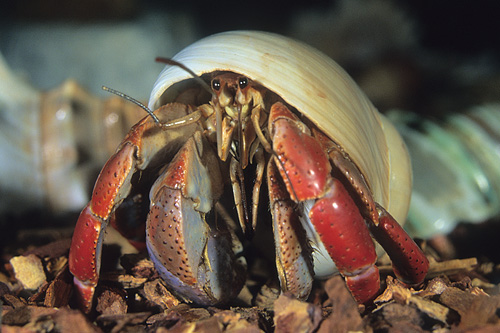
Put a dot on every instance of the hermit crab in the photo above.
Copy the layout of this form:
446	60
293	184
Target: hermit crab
239	112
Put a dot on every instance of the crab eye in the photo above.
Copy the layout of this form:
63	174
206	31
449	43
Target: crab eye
216	84
243	82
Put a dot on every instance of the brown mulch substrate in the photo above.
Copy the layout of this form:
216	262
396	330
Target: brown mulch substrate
36	293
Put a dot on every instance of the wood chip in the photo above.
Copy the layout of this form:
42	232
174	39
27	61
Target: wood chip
112	301
14	301
156	292
267	296
345	314
17	316
4	289
134	299
59	291
450	267
398	292
474	310
68	320
434	287
292	315
128	281
207	325
26	315
54	265
119	322
139	265
395	290
432	309
28	271
56	249
397	317
236	322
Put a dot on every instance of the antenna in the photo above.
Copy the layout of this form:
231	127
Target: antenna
133	100
172	62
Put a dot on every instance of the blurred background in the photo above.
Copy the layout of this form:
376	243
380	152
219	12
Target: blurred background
114	42
431	58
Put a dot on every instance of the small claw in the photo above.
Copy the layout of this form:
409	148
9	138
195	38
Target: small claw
191	254
409	262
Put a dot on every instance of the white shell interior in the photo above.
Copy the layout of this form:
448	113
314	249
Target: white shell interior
316	86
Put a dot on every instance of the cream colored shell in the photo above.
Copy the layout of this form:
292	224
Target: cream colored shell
317	87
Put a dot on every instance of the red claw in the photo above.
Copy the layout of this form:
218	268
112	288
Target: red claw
343	231
305	163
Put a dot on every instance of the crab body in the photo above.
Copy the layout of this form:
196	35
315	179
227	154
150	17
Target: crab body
334	169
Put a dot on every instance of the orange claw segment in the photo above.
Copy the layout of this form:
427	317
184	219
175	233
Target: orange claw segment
306	164
110	181
83	257
409	262
112	187
84	295
279	110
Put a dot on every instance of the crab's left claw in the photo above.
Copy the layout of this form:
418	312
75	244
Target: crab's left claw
192	253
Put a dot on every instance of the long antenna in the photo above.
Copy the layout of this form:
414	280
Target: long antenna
133	100
218	111
171	62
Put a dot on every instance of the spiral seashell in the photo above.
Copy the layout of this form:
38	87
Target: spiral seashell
317	88
54	143
456	168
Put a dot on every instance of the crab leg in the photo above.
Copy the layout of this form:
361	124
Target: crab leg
293	251
240	199
259	174
307	173
408	262
342	229
192	254
112	187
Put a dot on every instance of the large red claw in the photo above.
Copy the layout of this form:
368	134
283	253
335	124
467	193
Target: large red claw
307	173
303	164
343	231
